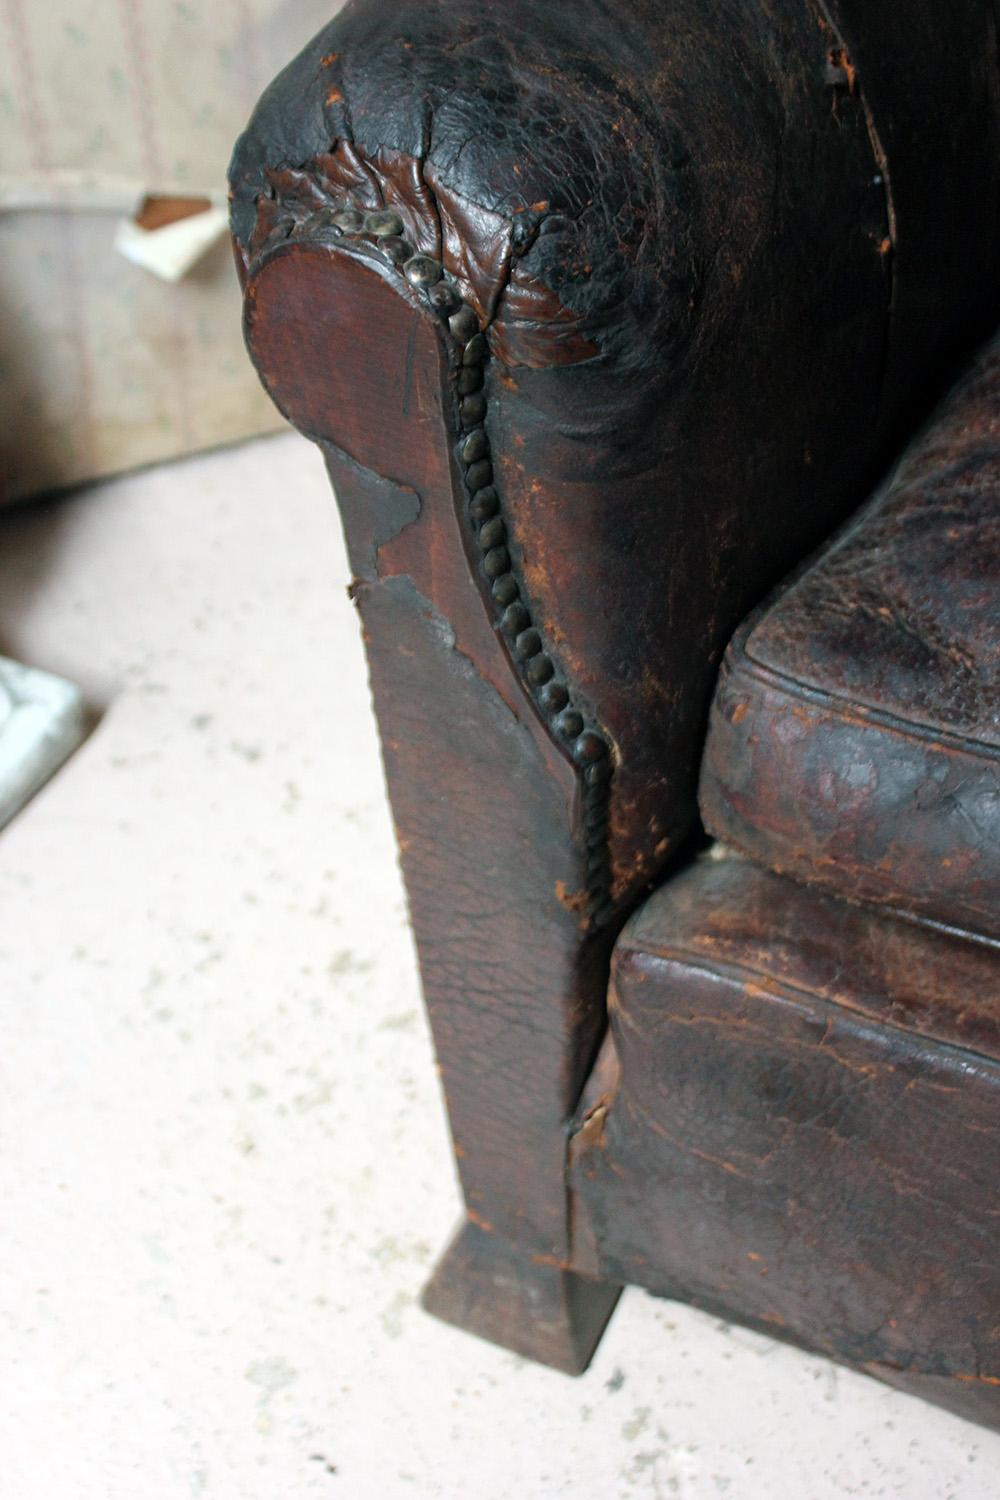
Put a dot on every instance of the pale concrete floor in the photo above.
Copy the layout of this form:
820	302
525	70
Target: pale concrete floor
225	1171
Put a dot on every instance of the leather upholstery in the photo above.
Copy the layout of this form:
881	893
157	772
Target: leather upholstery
712	255
855	734
718	254
800	1121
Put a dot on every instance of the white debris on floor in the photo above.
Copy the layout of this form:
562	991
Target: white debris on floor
224	1167
42	721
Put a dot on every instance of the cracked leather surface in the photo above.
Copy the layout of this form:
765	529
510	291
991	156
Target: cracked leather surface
802	1129
608	148
855	737
708	258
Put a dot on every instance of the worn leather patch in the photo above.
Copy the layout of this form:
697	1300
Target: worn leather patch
855	735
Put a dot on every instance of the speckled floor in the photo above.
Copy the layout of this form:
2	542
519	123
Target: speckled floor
223	1161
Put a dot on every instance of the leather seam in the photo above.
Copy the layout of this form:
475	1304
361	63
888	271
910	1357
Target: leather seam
864	713
735	972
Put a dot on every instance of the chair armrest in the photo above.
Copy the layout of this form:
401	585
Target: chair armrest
596	327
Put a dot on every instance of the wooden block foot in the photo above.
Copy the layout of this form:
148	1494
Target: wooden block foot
485	1286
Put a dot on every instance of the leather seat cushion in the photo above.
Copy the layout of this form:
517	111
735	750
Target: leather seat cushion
796	1123
855	731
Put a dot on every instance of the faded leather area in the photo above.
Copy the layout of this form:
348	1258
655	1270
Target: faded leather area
804	1131
855	734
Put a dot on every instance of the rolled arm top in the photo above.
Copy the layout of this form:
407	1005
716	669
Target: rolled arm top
700	250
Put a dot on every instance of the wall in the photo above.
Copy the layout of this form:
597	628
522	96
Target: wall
103	366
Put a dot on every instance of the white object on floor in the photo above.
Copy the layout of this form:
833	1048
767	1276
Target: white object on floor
173	249
224	1168
42	722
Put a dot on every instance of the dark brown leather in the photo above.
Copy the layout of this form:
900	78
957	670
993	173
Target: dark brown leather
855	735
718	249
801	1127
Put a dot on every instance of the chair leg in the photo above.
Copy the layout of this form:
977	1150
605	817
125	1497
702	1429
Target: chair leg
543	1312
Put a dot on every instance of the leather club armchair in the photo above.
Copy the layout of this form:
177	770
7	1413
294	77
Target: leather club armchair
605	317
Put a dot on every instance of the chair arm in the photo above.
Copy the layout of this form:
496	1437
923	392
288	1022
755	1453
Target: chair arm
596	325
